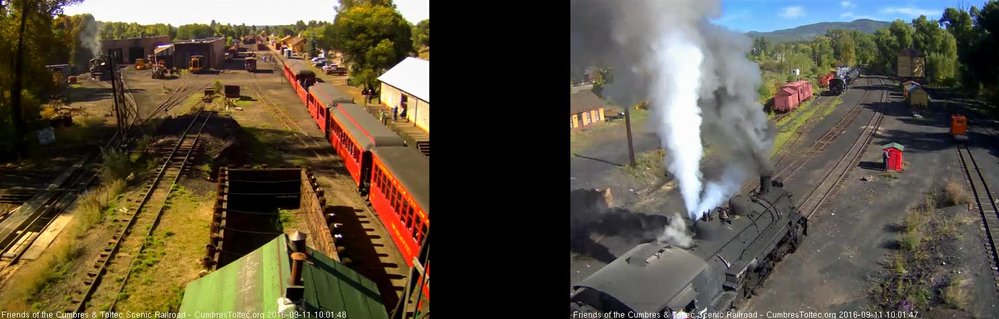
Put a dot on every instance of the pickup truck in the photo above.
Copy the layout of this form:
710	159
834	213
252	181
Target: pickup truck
334	69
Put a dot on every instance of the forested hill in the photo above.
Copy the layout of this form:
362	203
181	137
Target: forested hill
807	32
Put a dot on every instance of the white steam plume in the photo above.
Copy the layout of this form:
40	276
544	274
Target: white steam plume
676	233
678	116
702	88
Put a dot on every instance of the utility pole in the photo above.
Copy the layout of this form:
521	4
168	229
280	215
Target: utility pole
627	125
15	95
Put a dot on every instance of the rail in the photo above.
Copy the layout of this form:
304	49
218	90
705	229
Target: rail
104	261
842	168
983	199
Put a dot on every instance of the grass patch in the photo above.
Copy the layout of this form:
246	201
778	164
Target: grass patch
648	163
954	193
791	125
259	145
957	294
83	131
286	218
172	256
117	165
912	275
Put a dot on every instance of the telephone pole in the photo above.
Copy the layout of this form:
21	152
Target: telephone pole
627	125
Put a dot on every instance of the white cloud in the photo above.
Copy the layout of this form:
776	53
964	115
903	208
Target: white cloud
846	4
912	12
850	16
792	12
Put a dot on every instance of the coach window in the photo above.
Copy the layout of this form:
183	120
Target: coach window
406	212
391	198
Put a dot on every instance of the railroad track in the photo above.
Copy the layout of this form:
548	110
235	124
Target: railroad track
795	164
983	199
134	226
294	128
835	175
327	154
50	207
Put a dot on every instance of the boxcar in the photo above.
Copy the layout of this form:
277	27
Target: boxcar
786	99
353	132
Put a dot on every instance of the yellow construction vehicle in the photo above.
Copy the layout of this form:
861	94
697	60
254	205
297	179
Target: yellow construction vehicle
197	64
140	64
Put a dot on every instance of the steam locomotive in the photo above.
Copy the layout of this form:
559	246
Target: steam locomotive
843	79
729	260
100	68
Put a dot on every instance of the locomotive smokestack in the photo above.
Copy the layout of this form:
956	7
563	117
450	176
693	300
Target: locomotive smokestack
765	182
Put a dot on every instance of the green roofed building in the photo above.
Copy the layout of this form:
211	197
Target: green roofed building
260	282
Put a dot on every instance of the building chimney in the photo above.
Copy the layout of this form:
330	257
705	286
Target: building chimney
297	261
298	241
295	290
764	184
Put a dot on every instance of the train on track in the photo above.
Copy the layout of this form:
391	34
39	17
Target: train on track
392	177
729	259
845	76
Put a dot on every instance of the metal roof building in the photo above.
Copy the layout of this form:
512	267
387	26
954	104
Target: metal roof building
406	86
260	283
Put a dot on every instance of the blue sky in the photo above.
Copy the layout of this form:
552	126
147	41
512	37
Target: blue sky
770	15
251	12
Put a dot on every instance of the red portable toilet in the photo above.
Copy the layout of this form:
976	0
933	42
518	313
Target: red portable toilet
894	156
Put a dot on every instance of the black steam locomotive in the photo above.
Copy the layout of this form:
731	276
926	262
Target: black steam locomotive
100	68
843	79
730	258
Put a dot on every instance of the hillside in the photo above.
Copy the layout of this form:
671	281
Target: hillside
807	32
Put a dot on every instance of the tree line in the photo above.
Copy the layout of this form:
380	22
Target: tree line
959	47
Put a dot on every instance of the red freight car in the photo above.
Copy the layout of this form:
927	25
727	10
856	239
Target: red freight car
786	99
824	79
804	89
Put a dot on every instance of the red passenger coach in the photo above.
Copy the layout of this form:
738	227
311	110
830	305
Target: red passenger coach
300	77
321	97
353	132
400	193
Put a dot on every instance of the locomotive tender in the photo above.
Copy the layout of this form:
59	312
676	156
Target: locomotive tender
729	259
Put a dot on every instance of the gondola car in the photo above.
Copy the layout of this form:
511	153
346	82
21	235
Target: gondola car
353	132
321	97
